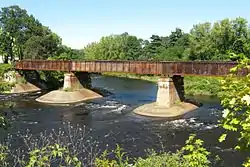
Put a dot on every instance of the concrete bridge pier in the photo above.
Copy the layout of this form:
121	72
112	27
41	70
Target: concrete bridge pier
170	101
170	90
75	89
76	81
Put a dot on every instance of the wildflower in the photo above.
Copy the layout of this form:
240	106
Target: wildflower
246	99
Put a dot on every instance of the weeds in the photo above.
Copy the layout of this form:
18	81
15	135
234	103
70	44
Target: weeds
72	146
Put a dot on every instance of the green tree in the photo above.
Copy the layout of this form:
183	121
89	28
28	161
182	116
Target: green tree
173	53
114	47
175	36
17	27
241	33
146	51
209	42
23	36
92	51
230	35
201	45
155	46
173	46
41	47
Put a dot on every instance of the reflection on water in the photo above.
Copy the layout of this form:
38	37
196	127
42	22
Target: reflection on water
113	121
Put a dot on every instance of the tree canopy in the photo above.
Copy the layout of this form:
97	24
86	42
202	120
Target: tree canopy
205	41
23	36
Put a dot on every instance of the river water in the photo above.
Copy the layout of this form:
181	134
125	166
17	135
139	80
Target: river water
113	122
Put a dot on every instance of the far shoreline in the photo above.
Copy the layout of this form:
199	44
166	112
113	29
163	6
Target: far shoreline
194	85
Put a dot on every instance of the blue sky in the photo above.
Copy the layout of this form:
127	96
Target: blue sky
80	22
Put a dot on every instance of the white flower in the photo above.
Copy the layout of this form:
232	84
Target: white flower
225	113
246	99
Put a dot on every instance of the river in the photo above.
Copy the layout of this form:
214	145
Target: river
112	120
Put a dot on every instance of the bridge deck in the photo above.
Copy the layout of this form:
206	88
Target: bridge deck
204	68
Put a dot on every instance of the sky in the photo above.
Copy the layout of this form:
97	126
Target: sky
79	22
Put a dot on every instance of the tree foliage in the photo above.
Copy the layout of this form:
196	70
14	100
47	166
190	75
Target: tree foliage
22	36
17	27
206	41
114	47
235	98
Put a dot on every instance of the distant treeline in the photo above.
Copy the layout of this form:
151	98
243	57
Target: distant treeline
23	36
205	41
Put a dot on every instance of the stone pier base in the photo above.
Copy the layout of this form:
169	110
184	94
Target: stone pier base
170	101
75	89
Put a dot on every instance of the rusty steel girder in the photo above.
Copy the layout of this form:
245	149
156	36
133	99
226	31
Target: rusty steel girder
202	68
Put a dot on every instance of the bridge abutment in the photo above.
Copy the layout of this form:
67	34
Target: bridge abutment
170	91
20	83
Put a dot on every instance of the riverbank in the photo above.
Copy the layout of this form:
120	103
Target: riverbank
194	85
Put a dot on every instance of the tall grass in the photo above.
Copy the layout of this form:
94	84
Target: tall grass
202	85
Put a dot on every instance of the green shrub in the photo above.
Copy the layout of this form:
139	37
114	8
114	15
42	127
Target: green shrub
193	154
3	155
5	68
195	85
160	160
5	86
3	121
121	160
44	157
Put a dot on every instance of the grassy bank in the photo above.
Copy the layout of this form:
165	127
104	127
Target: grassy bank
194	85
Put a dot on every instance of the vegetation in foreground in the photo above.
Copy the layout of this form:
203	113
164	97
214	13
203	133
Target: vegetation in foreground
235	99
5	86
73	146
193	154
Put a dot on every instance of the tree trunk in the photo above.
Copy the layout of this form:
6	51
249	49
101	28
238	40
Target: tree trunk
20	55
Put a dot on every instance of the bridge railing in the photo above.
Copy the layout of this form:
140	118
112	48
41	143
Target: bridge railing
206	68
46	65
